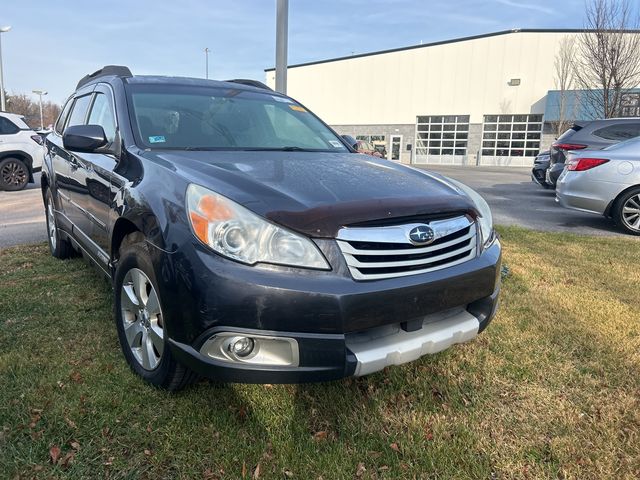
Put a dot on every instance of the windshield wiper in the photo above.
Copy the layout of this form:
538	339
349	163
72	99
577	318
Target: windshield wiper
281	149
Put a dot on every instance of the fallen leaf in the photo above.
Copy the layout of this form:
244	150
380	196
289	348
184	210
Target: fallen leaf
244	469
109	461
71	423
256	472
394	446
75	445
54	454
360	470
287	473
147	452
76	377
67	459
35	418
321	435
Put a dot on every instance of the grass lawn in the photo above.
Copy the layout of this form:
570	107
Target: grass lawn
550	390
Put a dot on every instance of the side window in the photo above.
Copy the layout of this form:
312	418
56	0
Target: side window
102	114
623	131
7	127
79	111
63	117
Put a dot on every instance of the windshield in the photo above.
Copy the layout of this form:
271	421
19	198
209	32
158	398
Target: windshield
211	118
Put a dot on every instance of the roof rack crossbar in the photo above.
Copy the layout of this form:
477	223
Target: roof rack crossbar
107	70
251	83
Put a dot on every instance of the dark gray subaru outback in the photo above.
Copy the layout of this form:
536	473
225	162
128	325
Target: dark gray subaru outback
247	242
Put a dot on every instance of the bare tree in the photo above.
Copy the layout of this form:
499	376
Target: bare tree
29	108
564	82
607	64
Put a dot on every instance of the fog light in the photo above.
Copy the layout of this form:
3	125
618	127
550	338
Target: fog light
257	349
241	346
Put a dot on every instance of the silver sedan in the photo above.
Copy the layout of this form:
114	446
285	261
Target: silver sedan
606	182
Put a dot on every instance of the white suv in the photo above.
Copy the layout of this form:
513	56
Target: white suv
21	152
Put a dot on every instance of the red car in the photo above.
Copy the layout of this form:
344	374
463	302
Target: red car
367	148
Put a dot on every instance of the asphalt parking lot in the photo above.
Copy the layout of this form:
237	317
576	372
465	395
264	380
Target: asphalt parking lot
513	197
22	216
515	200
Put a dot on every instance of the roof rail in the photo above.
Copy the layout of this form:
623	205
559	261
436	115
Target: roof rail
251	83
114	70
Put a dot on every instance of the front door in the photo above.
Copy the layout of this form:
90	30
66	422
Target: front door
69	169
97	202
396	147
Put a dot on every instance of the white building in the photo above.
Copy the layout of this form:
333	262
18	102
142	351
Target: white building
474	100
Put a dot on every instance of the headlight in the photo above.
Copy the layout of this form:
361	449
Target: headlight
485	220
239	234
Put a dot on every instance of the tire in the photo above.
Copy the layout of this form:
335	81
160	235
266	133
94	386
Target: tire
139	319
59	246
626	212
14	174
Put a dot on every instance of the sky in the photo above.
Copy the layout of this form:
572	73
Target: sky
53	44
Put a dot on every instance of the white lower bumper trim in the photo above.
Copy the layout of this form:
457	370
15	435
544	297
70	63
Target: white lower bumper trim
391	345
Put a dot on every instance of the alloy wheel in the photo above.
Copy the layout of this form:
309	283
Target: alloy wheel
14	174
142	318
631	213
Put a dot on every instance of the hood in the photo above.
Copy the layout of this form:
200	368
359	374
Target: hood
317	193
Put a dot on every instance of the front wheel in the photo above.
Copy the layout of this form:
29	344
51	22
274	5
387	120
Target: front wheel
59	246
14	174
627	211
140	321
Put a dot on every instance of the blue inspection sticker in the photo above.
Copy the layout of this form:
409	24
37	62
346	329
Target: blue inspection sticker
157	139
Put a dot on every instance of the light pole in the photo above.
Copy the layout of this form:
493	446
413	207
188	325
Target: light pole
206	62
282	30
3	105
40	93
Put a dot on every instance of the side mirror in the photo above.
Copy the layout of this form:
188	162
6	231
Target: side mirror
84	138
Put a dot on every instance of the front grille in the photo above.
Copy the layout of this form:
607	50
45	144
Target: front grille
386	252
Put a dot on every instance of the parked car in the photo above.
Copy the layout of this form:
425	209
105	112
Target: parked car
606	182
21	152
380	148
362	146
539	170
246	242
594	135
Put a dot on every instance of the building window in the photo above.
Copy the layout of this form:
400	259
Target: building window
511	135
371	138
630	105
442	135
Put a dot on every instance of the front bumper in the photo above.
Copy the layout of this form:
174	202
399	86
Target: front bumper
553	172
341	327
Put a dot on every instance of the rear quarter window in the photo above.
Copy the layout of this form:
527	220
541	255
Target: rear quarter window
7	127
619	132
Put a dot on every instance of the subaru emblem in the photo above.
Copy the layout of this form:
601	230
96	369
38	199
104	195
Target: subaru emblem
422	235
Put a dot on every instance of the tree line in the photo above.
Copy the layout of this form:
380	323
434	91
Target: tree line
29	107
602	63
